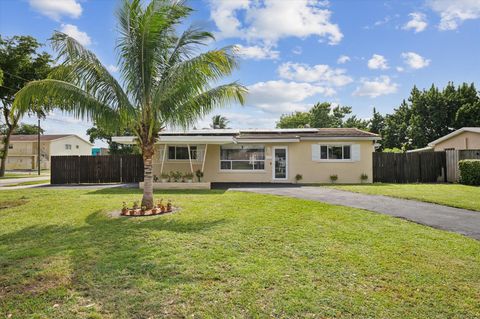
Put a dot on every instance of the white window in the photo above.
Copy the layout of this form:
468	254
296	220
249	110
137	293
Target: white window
336	152
242	157
180	152
77	147
68	146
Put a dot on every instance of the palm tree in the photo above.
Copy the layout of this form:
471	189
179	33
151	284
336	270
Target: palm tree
219	121
165	82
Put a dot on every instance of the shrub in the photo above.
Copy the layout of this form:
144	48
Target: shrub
199	175
333	178
363	177
298	177
469	172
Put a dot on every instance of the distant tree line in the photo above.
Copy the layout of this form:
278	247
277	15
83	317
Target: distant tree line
424	117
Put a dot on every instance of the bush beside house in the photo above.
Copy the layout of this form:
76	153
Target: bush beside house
469	172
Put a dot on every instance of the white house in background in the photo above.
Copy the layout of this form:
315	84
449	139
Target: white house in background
23	149
466	138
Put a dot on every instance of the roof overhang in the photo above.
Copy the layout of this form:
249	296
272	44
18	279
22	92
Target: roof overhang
340	138
272	140
175	139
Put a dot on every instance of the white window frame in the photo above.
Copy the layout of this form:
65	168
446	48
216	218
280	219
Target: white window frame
239	146
333	160
68	147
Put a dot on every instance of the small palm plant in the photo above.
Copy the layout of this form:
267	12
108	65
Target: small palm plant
164	81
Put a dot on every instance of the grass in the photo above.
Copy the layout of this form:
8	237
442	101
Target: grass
27	183
25	175
455	195
226	254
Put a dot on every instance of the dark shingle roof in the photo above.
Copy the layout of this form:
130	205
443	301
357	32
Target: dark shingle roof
320	133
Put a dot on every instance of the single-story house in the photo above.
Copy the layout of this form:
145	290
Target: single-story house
266	155
23	149
466	138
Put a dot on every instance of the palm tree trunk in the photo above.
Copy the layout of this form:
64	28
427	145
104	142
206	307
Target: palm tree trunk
6	143
147	199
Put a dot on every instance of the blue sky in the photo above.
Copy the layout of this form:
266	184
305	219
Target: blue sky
363	54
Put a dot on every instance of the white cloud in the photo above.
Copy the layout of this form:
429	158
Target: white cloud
281	96
55	9
377	62
74	32
400	69
112	68
417	22
453	13
301	18
414	60
343	59
320	74
257	52
378	86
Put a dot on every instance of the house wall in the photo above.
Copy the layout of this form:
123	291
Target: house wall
462	141
57	147
299	162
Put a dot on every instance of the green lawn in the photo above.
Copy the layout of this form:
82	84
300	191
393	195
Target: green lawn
454	195
223	255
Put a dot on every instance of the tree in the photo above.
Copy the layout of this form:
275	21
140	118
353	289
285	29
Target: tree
294	120
322	115
165	82
27	129
104	134
20	63
377	122
219	121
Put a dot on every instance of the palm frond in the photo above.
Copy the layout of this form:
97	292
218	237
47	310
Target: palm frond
51	94
184	114
82	68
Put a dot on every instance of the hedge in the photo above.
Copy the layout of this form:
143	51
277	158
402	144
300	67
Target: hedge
469	172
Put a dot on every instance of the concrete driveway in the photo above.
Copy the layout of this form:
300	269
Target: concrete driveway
457	220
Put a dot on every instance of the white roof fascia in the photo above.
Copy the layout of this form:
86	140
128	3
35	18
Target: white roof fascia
423	149
273	140
198	139
123	139
454	133
341	138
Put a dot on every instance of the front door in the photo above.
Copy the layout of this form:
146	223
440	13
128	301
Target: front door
280	163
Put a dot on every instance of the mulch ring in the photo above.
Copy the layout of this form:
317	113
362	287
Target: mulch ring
139	213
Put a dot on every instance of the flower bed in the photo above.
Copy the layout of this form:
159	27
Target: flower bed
159	209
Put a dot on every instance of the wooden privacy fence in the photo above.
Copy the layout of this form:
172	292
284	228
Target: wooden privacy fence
96	169
453	157
427	167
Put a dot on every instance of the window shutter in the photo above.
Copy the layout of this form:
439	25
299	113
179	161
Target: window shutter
315	152
356	152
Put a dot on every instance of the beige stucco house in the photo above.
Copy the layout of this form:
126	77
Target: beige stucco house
266	155
23	149
466	138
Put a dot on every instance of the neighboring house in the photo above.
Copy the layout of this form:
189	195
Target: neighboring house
262	155
466	138
23	149
98	151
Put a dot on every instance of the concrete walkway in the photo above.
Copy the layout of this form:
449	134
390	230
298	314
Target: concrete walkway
457	220
10	181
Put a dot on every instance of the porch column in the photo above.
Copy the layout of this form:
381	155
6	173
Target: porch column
204	157
190	158
163	158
